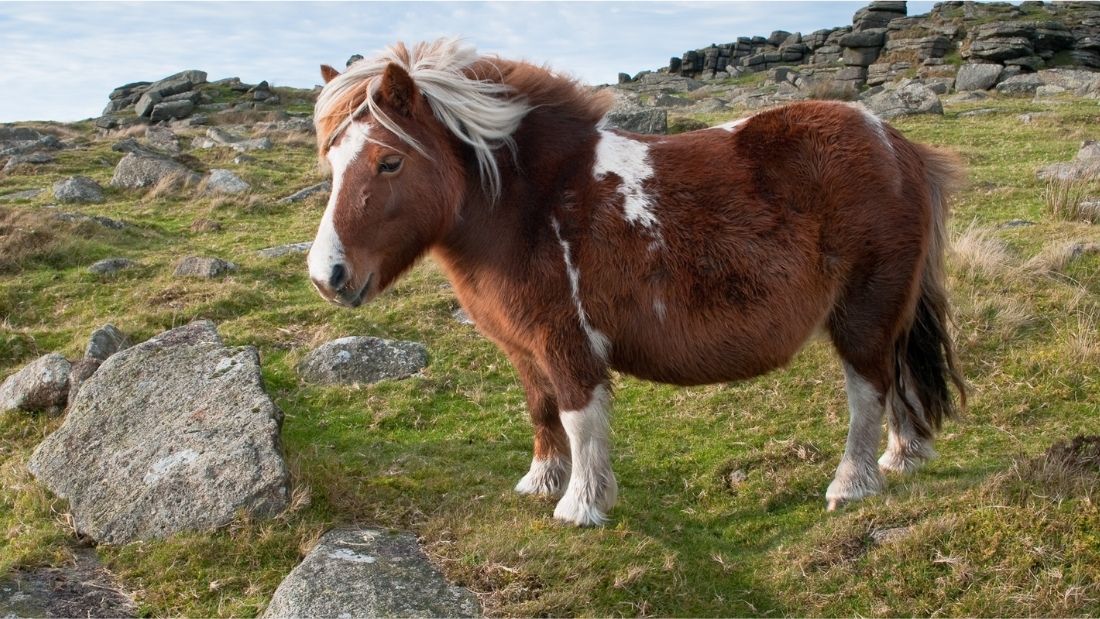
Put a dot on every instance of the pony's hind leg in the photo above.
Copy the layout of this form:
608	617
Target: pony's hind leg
858	475
550	463
906	449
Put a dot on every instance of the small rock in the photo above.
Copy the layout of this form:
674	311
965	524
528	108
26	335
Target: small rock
352	360
110	266
35	158
205	225
84	589
41	386
173	434
243	159
98	220
368	573
1017	223
282	250
907	100
77	189
890	535
81	371
462	317
106	341
225	182
978	112
26	194
204	267
137	171
302	194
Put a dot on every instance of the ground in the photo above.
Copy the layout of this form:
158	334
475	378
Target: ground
721	507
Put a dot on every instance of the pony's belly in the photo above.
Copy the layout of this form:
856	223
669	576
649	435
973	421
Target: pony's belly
708	358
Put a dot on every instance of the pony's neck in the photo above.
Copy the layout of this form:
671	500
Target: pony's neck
553	158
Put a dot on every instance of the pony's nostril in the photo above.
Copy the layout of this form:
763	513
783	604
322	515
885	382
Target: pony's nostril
339	277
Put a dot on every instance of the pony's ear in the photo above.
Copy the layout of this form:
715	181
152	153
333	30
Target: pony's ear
398	89
328	73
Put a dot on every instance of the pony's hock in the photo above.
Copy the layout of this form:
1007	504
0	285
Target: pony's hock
579	249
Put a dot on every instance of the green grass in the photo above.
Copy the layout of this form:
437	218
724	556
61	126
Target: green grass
439	453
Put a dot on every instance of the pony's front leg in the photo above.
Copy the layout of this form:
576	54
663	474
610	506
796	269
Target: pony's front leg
592	489
550	463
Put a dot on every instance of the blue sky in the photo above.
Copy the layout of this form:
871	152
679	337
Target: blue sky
59	60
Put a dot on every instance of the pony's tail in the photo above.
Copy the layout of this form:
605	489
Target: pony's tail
925	363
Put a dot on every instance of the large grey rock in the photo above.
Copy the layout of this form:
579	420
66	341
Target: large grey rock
138	171
104	342
1085	165
351	360
225	182
203	267
302	194
638	120
163	139
84	589
220	137
1001	48
905	101
173	434
1025	84
977	76
77	189
81	371
167	110
368	573
41	386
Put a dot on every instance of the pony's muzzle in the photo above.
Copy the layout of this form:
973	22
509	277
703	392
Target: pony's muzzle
339	289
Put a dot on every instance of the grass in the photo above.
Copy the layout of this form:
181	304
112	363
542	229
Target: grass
721	508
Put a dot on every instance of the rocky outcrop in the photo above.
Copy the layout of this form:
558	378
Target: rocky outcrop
220	137
41	386
368	573
355	360
173	434
884	44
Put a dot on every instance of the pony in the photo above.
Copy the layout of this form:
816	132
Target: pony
704	257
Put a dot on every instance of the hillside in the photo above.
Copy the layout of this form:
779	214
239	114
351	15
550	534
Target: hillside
721	508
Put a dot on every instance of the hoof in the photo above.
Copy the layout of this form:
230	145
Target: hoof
905	460
579	514
546	478
852	484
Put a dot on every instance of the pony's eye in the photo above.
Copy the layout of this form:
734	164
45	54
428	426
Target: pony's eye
389	165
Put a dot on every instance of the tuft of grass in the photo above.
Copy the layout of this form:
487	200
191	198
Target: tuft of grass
1068	199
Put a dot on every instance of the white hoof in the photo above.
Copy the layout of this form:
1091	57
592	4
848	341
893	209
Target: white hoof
898	459
547	477
588	509
853	483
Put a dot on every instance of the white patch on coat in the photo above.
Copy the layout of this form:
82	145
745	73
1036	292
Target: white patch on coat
327	249
600	344
629	160
858	474
732	125
659	309
547	476
592	488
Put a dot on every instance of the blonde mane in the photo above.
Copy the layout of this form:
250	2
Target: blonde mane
484	114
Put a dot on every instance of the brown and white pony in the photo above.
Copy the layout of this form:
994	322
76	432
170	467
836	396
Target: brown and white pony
705	257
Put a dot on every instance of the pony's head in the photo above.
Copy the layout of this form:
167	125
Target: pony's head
397	130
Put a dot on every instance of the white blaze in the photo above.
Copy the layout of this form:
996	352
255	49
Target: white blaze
327	250
629	159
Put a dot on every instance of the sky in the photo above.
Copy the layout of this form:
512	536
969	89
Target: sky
59	60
